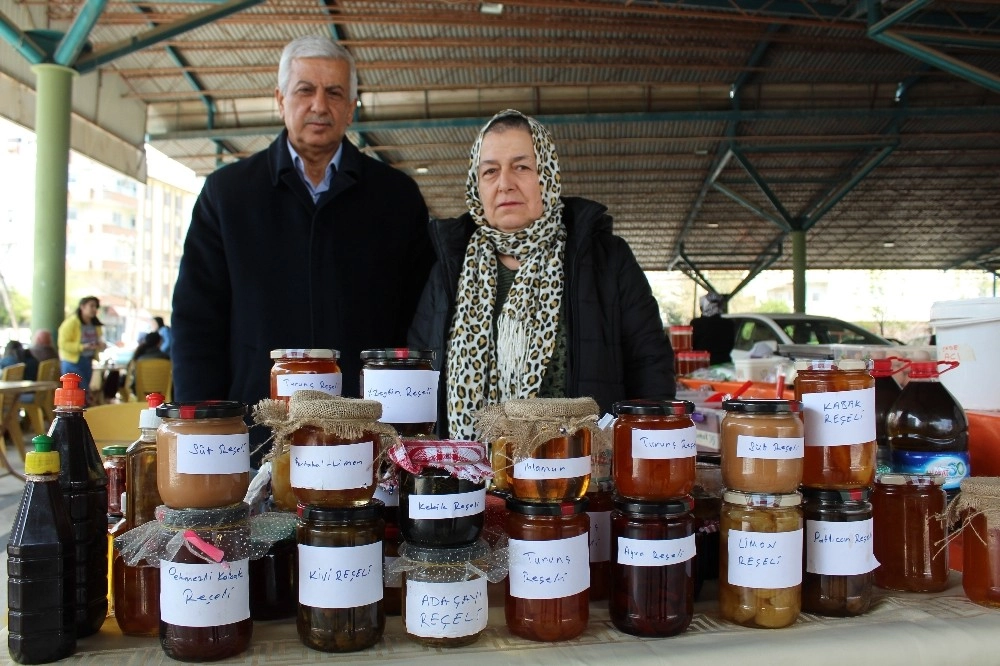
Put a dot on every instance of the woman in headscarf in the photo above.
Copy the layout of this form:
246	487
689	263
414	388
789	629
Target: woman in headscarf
712	332
532	295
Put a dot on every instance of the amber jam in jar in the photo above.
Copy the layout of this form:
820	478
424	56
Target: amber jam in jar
979	503
114	467
762	445
221	626
330	471
202	454
680	338
305	369
547	585
760	559
559	469
839	555
838	406
281	482
909	530
406	383
600	498
340	577
654	449
439	510
652	571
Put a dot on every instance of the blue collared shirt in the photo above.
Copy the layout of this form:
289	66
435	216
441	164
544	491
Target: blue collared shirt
316	190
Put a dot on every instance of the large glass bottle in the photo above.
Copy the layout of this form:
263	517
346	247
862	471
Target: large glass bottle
84	486
886	392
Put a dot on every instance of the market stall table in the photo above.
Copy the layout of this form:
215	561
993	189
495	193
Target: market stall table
12	413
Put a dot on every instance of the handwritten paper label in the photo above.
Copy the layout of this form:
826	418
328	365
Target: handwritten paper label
839	418
772	448
549	569
327	382
707	441
665	444
552	468
446	610
436	507
213	454
655	552
765	559
391	581
338	467
345	577
407	396
839	549
204	595
600	536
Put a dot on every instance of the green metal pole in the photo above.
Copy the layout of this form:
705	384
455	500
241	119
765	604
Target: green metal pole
54	86
799	269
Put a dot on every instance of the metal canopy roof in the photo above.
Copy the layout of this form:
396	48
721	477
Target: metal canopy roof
710	128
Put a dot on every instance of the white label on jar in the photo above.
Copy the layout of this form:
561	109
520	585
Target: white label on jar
772	448
839	418
549	569
339	467
391	581
204	595
327	382
407	396
600	536
839	549
665	444
436	507
340	577
446	610
655	552
551	468
767	560
213	454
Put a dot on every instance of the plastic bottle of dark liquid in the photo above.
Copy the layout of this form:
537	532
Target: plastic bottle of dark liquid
41	595
83	484
927	428
886	392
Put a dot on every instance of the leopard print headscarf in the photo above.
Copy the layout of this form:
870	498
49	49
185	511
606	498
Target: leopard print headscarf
479	371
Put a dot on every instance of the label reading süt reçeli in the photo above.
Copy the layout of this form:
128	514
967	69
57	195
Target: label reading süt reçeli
213	454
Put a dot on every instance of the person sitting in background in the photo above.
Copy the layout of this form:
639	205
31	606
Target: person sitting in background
41	347
15	353
80	339
147	349
711	331
164	334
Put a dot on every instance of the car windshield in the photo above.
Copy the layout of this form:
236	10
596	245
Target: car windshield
828	332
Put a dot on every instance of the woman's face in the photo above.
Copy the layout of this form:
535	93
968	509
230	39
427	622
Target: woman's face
508	180
88	310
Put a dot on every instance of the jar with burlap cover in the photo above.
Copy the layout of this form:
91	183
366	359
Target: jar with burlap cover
326	449
978	507
541	447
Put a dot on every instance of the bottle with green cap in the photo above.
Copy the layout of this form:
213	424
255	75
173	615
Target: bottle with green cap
41	587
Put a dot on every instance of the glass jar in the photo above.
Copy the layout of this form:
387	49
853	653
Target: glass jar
762	445
281	482
439	510
652	574
654	450
838	407
707	496
330	471
680	338
839	555
114	467
305	369
406	383
549	555
274	589
205	606
340	574
979	503
600	499
444	594
760	559
392	596
136	591
909	528
558	469
203	454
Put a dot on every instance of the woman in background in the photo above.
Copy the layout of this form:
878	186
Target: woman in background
80	339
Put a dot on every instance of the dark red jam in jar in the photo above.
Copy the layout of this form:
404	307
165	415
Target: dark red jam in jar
439	510
654	449
406	383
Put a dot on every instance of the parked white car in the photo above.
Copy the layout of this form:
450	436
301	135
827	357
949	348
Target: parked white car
784	328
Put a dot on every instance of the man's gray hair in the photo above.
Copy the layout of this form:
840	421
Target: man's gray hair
314	46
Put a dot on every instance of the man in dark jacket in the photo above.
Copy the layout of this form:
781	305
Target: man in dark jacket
307	244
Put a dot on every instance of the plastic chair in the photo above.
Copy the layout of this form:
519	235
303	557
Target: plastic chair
153	375
10	412
39	409
114	423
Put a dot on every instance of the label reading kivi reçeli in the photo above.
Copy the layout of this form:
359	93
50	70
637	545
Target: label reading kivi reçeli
345	577
340	467
213	454
665	444
204	595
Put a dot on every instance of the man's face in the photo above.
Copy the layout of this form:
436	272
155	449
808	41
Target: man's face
317	107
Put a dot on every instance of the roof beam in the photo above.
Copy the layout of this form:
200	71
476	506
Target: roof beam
21	42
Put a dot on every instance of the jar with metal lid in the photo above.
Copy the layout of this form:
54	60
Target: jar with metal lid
654	449
548	554
392	596
444	593
680	338
686	362
274	589
839	551
204	602
762	445
838	407
979	504
114	467
406	383
202	454
652	571
305	370
340	577
909	526
600	497
760	559
541	446
707	496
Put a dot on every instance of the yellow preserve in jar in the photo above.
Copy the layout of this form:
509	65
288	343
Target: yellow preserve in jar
762	445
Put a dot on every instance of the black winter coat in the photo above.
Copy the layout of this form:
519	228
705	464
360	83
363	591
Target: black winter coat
617	347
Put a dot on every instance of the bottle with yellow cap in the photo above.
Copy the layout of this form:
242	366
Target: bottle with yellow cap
40	565
84	486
